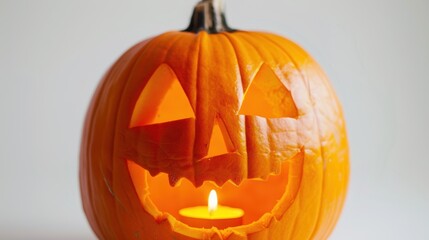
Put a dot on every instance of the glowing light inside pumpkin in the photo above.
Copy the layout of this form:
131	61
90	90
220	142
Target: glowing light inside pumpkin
212	215
212	203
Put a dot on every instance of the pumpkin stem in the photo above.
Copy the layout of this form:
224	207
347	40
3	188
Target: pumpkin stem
208	16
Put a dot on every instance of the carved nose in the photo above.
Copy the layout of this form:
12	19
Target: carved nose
220	142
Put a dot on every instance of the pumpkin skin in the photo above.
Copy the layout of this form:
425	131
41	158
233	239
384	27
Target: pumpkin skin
303	141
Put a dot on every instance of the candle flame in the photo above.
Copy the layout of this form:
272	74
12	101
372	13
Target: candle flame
212	202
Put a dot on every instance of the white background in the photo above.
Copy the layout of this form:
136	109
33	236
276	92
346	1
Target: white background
53	53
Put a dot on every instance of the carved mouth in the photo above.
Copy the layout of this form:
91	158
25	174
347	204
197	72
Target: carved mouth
261	199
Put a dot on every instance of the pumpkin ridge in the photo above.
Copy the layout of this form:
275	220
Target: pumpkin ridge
173	40
113	149
125	68
333	217
84	152
199	38
240	67
317	223
268	41
111	188
250	154
336	102
243	36
215	50
117	121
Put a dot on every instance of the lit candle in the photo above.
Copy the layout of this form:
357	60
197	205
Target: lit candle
212	215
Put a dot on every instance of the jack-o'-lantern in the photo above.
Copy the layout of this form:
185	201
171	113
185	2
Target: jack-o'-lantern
248	114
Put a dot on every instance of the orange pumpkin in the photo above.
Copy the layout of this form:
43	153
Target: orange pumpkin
249	114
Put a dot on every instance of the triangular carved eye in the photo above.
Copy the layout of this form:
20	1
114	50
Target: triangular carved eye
162	100
267	97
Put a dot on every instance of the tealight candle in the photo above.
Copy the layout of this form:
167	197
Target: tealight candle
212	215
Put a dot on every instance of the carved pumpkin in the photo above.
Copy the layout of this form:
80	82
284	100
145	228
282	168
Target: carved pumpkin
249	114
